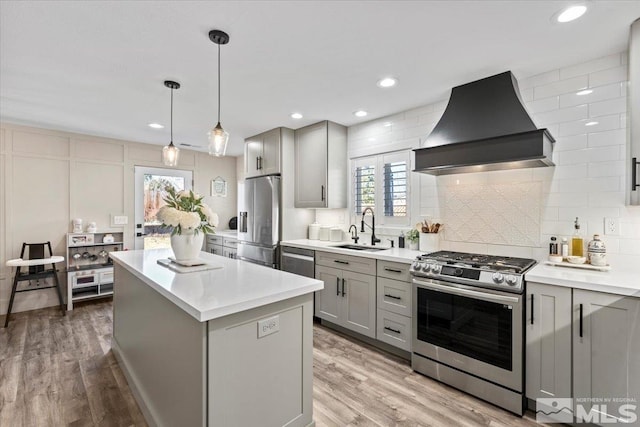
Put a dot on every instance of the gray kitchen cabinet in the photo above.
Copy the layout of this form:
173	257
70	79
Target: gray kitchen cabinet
606	353
321	166
548	338
349	297
262	153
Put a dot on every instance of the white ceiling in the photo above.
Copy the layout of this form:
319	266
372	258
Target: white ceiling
98	67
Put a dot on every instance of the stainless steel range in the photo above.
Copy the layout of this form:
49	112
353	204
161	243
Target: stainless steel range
468	324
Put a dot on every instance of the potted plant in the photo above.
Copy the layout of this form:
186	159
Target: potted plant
413	236
190	219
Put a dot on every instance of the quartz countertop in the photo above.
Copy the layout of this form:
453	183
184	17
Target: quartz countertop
206	295
406	256
621	280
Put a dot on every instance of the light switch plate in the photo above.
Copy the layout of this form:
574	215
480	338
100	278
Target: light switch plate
119	220
268	326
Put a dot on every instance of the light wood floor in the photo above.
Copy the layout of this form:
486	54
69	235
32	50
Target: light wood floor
59	371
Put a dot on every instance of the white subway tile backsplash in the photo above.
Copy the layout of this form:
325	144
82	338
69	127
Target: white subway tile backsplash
611	106
604	77
542	105
563	86
599	94
599	124
567	143
611	137
539	79
600	169
604	63
562	115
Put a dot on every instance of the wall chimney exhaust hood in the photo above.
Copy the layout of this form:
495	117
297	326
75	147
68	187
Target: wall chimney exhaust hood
485	127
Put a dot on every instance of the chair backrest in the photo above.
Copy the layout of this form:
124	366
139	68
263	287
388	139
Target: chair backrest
36	251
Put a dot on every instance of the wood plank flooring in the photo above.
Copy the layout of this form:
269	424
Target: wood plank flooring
59	371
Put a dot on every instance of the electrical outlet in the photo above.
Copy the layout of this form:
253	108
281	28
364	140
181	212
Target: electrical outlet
612	226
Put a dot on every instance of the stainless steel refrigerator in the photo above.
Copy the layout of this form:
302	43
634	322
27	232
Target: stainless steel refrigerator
259	221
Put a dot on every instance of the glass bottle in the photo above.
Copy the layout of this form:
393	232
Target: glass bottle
577	243
564	248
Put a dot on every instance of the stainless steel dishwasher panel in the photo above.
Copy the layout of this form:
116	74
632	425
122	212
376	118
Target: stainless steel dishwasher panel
298	261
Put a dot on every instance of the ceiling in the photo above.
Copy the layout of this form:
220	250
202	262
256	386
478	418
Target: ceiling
97	67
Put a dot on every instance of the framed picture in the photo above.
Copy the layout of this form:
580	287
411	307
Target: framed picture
219	187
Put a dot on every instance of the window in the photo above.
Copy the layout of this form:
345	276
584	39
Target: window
382	184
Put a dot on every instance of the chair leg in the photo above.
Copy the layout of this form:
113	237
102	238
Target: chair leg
13	294
57	283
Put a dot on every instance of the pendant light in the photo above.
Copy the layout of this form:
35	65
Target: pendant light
170	153
218	138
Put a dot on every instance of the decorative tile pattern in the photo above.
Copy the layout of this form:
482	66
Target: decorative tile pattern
505	214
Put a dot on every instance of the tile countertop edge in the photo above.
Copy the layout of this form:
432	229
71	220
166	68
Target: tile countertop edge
401	255
618	282
205	314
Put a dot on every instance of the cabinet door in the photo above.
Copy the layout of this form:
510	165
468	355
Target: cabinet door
311	166
548	331
327	303
252	155
270	159
606	352
359	303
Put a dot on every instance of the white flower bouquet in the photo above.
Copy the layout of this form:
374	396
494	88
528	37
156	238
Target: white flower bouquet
185	211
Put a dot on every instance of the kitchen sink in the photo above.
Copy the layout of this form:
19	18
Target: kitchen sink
359	247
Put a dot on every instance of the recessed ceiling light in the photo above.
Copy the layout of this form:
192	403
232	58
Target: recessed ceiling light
571	13
591	123
584	92
360	113
387	82
296	115
156	126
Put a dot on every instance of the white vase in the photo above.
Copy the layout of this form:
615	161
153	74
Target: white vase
429	242
187	246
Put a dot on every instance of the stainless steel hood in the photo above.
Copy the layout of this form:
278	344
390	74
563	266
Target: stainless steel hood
485	127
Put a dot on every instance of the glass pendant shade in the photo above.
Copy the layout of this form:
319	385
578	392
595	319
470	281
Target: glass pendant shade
218	139
170	154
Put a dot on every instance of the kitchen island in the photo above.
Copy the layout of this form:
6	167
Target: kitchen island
226	346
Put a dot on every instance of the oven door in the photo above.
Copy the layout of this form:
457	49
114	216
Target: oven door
477	331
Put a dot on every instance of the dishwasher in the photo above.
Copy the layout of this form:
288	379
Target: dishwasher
298	261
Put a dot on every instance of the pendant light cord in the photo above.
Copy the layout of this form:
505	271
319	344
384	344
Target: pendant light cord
172	115
219	83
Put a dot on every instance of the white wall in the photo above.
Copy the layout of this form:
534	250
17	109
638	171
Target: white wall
587	181
49	177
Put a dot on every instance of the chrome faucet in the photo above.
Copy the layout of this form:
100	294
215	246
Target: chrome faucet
354	236
374	239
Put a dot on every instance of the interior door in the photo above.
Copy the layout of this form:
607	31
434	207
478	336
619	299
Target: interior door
150	184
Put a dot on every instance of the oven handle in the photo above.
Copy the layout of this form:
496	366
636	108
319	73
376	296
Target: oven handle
499	299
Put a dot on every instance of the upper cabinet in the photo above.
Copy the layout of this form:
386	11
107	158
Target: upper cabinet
262	153
321	166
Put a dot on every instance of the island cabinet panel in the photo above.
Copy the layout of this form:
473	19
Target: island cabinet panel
260	366
160	348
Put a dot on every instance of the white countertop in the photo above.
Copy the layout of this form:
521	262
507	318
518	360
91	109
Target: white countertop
207	295
621	280
406	256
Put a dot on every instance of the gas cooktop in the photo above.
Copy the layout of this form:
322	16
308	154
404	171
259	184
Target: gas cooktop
487	271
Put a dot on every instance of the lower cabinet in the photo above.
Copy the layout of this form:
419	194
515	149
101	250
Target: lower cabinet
548	332
606	357
348	298
584	345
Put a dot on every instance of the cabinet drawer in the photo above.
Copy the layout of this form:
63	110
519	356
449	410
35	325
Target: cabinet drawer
214	240
229	242
394	270
394	329
346	262
394	296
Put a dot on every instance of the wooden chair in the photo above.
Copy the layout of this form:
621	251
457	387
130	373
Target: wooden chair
37	269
